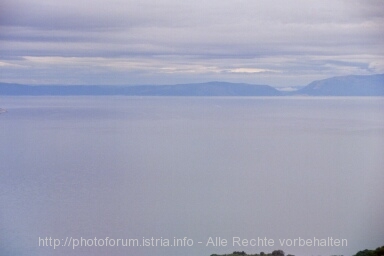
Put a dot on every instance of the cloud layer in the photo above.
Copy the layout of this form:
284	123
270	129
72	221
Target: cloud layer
145	42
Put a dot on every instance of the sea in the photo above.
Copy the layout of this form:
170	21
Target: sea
119	175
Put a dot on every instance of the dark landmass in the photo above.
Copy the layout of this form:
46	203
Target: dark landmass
372	85
377	252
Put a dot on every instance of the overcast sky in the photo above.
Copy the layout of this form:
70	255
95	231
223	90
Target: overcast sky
280	43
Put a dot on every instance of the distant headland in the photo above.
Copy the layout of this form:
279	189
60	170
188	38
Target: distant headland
353	85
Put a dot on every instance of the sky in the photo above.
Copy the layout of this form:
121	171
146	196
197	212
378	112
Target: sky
124	42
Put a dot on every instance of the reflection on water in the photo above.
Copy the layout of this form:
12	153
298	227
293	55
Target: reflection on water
131	167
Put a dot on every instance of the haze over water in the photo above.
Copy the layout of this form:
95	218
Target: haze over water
131	167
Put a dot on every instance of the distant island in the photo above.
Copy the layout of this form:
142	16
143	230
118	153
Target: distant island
372	85
354	85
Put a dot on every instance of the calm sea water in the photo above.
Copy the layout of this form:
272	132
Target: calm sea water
165	167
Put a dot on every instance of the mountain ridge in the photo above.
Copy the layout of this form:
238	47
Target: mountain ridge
193	89
352	85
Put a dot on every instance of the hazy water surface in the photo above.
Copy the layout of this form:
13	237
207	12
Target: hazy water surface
131	167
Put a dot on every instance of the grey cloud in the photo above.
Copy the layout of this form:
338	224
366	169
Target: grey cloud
365	10
312	38
85	15
99	14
